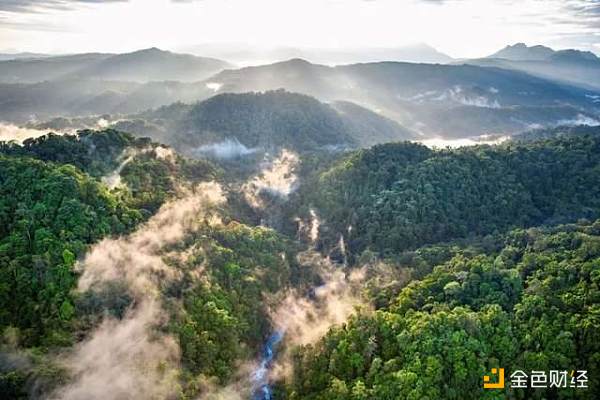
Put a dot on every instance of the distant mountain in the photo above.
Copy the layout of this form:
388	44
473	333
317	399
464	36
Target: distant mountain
32	70
241	54
444	100
83	97
430	99
266	121
577	67
522	52
152	65
140	66
20	56
574	56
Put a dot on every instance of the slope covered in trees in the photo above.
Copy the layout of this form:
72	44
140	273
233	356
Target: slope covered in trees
529	303
400	196
270	120
455	280
49	214
54	206
559	131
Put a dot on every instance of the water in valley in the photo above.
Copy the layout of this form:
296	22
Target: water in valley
260	377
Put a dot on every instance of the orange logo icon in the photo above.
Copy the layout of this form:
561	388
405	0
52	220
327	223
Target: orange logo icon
499	384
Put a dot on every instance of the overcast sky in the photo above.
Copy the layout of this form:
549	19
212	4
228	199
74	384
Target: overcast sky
460	28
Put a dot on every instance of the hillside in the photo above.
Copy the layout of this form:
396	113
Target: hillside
47	68
139	66
271	120
526	300
173	268
151	65
400	196
559	131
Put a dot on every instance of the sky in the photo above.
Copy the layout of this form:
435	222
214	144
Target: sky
460	28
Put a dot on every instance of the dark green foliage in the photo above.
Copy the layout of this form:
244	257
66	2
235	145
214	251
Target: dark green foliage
268	120
151	179
48	216
12	385
531	306
96	153
224	317
150	171
559	131
402	196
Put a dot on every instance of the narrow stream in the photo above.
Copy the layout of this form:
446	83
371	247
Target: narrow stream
260	378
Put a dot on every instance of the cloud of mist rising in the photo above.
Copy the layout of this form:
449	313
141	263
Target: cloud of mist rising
214	86
225	150
277	177
579	120
309	230
122	361
165	153
113	179
458	94
10	132
441	143
127	358
136	259
306	319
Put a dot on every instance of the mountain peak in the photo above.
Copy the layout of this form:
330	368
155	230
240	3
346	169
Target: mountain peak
521	52
574	55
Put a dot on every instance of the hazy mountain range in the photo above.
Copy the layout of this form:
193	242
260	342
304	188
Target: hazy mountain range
243	55
453	100
230	125
571	66
140	66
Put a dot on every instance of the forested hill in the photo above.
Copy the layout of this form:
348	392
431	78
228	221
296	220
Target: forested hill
528	302
149	170
49	214
57	203
399	196
548	133
54	203
271	120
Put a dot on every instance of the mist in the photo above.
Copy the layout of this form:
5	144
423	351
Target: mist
130	357
227	149
10	132
277	177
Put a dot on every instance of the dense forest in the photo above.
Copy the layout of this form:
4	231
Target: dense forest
264	121
467	259
527	302
400	196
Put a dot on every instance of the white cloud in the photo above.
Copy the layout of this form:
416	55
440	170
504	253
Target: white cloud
460	28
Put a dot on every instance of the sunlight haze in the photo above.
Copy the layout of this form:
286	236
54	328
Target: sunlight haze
459	28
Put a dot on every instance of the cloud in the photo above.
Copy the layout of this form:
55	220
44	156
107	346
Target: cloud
277	177
10	132
132	358
41	5
227	149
